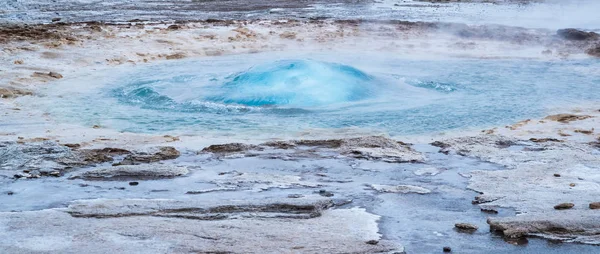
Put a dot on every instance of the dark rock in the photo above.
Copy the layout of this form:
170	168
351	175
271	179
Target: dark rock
325	193
10	193
447	249
489	210
72	146
466	227
229	148
595	205
544	140
173	27
556	175
564	206
304	208
372	242
56	19
163	153
576	35
133	172
594	51
565	118
133	183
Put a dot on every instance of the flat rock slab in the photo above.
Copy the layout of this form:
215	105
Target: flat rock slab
568	225
301	208
377	148
404	189
56	231
133	172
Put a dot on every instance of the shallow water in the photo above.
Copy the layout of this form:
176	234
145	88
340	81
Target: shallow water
275	96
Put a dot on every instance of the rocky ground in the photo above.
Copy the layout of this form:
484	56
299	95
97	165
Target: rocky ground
70	189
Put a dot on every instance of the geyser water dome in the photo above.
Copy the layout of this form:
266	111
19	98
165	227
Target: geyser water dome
295	83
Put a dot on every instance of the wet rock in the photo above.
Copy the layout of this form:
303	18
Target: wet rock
489	210
176	56
173	27
96	156
144	171
594	205
43	156
368	148
440	144
148	226
12	92
404	189
544	140
466	227
259	181
564	206
566	118
372	242
577	35
482	199
556	175
325	193
133	183
594	51
580	226
54	75
229	148
447	249
155	154
72	146
301	208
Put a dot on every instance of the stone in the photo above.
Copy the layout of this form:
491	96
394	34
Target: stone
133	183
138	172
447	249
325	193
229	148
155	154
176	56
594	51
564	206
566	118
403	189
577	35
182	226
595	205
556	175
579	226
12	92
466	226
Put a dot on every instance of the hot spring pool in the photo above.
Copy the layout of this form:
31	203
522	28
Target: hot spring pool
279	96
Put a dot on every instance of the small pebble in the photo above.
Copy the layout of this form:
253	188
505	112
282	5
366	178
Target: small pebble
10	193
447	249
564	206
572	185
595	205
325	193
557	175
133	183
372	242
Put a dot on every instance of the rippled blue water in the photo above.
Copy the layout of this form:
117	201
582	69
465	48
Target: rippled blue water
274	96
